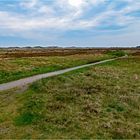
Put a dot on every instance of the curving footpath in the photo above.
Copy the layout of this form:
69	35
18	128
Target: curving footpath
28	80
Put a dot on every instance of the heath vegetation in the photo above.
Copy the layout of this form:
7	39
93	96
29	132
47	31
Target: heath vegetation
96	102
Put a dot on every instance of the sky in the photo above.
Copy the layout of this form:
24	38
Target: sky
83	23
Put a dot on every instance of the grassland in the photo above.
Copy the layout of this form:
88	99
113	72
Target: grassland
96	102
16	68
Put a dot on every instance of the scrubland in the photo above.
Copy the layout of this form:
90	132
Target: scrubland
16	68
97	102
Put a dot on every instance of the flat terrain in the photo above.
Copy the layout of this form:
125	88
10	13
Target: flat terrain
95	102
28	80
17	63
16	68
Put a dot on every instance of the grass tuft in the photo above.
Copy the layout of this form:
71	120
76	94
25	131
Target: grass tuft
32	110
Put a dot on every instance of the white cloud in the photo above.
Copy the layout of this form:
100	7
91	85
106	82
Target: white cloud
63	15
49	18
76	3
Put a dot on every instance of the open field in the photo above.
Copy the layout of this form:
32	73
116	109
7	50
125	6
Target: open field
16	68
21	62
25	82
96	102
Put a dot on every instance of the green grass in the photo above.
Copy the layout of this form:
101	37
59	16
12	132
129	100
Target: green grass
13	69
117	53
31	111
99	102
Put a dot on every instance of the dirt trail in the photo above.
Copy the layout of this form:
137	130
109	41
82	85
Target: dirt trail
28	80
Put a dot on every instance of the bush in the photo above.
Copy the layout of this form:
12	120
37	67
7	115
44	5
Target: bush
117	53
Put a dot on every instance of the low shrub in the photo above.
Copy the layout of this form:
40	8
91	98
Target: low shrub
117	53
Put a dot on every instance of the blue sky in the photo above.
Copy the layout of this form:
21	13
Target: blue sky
90	23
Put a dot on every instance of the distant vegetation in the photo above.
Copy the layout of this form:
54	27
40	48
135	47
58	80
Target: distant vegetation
117	53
